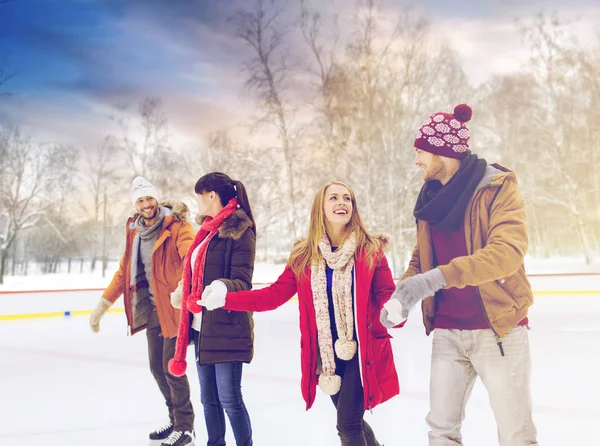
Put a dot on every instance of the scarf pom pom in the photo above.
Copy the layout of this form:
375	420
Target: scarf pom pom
345	350
194	307
330	384
192	303
177	367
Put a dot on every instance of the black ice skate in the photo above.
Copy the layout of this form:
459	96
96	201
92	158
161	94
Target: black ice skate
179	438
162	432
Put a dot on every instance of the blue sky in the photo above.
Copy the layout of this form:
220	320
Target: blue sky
74	60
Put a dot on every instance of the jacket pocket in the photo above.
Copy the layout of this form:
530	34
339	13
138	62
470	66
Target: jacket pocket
517	287
381	357
226	324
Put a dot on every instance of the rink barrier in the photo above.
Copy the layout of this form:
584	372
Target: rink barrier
22	316
71	290
69	313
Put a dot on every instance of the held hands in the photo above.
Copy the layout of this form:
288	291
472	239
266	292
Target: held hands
214	295
416	288
392	314
98	313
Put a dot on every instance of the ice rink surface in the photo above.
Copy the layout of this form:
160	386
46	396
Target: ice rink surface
63	385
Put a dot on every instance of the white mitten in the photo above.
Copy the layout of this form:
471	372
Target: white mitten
98	313
214	295
177	295
395	312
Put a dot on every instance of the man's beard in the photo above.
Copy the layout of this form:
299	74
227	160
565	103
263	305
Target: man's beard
436	171
152	217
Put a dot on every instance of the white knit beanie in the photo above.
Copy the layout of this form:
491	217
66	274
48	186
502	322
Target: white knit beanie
142	188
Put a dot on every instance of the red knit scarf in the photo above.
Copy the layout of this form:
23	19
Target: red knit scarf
210	227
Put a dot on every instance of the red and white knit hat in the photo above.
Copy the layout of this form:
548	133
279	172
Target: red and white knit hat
446	134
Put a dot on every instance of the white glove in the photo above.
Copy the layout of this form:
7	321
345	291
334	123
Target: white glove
392	313
98	313
214	295
177	295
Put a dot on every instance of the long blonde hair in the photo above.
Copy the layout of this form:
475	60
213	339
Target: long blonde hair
307	249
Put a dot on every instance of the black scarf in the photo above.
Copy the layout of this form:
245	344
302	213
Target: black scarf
444	206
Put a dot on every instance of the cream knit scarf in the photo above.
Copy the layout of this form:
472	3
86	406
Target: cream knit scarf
341	262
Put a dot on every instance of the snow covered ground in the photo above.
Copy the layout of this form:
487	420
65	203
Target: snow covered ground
63	385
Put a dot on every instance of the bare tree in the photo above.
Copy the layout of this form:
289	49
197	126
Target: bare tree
101	172
332	104
555	62
31	172
144	139
543	124
268	71
242	161
145	136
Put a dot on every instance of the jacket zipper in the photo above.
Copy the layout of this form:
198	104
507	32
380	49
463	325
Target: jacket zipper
498	341
127	301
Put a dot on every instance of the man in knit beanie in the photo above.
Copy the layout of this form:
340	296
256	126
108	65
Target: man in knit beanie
158	238
467	268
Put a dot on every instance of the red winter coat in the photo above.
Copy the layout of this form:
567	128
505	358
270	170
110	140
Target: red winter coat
372	288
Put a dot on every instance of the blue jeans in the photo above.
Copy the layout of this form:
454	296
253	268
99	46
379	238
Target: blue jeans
221	391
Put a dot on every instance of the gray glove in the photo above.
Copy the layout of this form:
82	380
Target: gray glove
416	288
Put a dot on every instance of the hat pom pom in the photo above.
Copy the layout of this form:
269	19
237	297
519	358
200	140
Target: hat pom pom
330	384
463	112
177	367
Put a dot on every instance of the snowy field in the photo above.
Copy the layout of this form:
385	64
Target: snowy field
63	385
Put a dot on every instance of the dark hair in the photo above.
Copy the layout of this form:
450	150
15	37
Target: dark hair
226	189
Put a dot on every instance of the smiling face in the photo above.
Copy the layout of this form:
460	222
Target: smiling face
431	165
435	167
337	206
147	207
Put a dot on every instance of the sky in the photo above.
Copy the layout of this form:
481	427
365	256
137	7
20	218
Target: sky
74	61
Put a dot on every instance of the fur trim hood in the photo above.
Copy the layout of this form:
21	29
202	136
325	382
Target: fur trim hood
178	210
233	227
382	238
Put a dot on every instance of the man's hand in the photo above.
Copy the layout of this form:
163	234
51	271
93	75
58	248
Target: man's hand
416	288
98	313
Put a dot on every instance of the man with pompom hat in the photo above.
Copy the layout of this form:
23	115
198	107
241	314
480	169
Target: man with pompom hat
467	269
158	237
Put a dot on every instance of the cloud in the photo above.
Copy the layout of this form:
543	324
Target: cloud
494	45
55	122
187	53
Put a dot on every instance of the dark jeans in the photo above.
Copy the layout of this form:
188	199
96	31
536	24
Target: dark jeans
349	402
221	391
175	390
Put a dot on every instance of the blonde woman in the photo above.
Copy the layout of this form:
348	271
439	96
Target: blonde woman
342	279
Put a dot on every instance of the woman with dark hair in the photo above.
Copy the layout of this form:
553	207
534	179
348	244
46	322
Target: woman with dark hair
223	251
